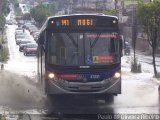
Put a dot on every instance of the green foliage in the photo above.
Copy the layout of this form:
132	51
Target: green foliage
4	4
3	40
5	7
15	3
135	2
129	2
110	12
52	8
2	22
4	54
18	12
16	6
148	16
40	13
27	16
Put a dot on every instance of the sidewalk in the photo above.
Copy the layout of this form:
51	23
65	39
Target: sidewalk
146	62
156	80
147	54
142	57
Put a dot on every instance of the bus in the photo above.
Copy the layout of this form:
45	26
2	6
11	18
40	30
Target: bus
80	55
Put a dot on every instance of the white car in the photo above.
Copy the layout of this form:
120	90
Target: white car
20	38
19	29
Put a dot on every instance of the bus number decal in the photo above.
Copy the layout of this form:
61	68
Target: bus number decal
95	76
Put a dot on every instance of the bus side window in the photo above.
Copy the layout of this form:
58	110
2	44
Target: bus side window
52	49
112	46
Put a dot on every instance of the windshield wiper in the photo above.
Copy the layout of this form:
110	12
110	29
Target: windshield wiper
76	53
95	41
72	39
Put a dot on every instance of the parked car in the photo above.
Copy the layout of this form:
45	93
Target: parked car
27	24
19	29
20	22
30	49
22	44
19	33
19	38
33	30
9	22
35	36
14	21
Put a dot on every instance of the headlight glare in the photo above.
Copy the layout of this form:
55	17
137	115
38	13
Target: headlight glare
117	75
51	75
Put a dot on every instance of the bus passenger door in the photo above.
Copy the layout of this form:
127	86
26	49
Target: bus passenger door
41	61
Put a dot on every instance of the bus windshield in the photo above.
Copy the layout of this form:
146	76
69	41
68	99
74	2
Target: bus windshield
87	48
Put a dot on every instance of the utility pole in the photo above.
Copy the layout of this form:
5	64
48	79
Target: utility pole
0	28
134	32
136	67
115	4
1	15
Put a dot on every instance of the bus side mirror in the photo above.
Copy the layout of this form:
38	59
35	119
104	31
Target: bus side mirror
41	38
40	41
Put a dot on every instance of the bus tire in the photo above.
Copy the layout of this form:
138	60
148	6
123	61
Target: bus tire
55	101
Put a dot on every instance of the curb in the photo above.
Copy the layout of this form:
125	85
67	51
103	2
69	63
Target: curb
156	80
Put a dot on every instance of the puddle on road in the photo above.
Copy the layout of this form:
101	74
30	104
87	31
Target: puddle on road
19	92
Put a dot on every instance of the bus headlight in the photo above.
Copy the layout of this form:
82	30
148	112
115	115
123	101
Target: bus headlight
51	75
117	75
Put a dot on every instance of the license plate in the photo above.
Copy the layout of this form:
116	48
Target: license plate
84	87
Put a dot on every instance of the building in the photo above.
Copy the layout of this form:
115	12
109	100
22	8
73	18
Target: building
92	6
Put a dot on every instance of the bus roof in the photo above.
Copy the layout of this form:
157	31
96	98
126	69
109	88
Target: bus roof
72	15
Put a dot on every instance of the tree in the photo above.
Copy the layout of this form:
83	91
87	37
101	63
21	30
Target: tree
3	11
27	16
115	4
16	7
2	22
110	12
149	18
40	13
135	67
52	8
5	7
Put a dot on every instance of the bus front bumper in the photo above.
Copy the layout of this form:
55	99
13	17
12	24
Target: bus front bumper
102	87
